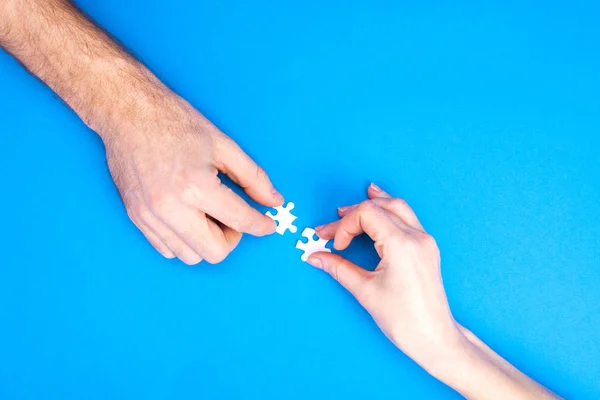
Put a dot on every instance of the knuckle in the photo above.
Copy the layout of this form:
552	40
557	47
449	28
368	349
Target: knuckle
345	230
223	145
398	240
261	175
158	200
416	241
186	175
132	213
412	242
193	186
143	213
367	206
200	190
137	211
422	236
331	269
399	203
190	192
426	239
224	140
244	222
334	271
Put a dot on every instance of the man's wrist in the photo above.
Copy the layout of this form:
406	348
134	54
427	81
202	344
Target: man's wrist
115	92
100	81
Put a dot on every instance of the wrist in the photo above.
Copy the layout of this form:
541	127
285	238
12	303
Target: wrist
116	91
450	361
456	368
476	371
100	81
457	360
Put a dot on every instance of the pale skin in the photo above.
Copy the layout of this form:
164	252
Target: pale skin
406	298
164	157
162	153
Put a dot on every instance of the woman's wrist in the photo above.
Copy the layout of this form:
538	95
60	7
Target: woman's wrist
476	371
461	368
452	359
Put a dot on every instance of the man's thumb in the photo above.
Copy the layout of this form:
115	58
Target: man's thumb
233	161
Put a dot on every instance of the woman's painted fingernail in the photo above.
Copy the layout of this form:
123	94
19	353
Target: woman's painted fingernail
375	187
315	262
318	228
343	208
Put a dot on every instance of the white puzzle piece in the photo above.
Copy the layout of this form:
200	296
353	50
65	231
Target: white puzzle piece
312	246
284	218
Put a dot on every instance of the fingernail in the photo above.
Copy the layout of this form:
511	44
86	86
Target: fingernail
315	262
343	208
375	187
318	228
277	196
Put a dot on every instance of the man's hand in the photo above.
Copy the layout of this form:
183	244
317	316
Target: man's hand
163	154
406	298
165	162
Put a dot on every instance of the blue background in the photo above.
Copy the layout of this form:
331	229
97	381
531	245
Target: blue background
483	115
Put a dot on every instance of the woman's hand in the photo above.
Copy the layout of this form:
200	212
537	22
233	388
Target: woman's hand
406	298
404	295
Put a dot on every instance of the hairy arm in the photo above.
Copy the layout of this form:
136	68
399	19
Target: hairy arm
163	155
99	80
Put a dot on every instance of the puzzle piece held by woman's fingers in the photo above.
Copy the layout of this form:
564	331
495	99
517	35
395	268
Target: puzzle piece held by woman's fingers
312	245
284	218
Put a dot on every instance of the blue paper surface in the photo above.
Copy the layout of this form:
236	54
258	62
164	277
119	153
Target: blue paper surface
483	116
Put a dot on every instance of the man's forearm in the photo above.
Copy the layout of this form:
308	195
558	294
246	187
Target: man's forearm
100	81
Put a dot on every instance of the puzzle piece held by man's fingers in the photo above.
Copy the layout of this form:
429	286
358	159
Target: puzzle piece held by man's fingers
284	218
312	245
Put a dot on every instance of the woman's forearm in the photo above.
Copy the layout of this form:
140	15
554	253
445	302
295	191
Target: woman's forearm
477	372
406	298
